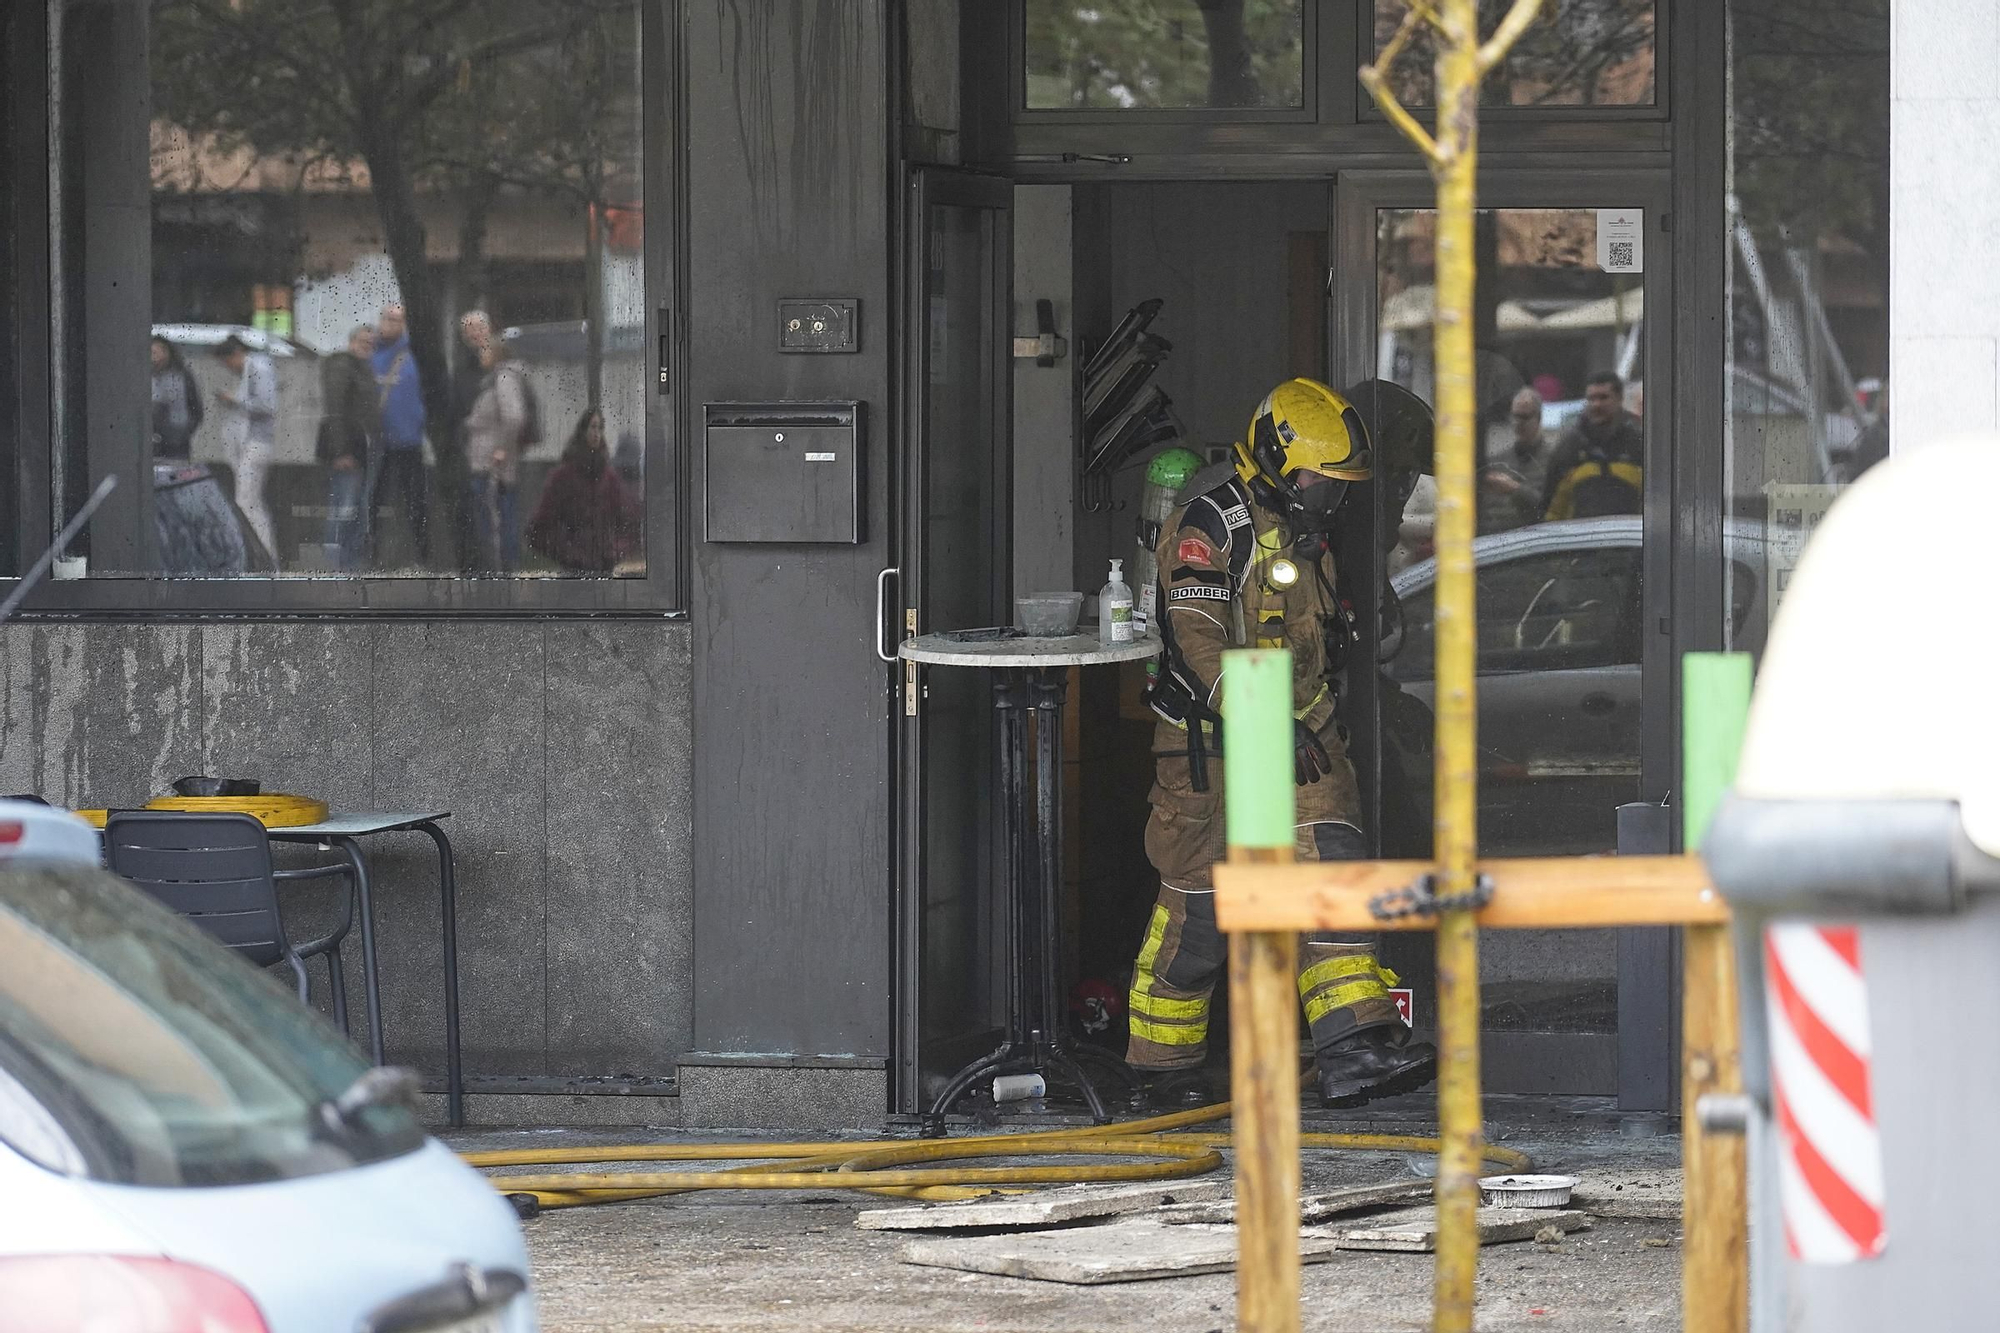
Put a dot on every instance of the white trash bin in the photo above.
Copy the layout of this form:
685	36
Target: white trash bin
1860	851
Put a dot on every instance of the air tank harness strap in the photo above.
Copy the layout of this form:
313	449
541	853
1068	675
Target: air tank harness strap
1177	693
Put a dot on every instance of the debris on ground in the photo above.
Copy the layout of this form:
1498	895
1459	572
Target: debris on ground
686	1262
1135	1249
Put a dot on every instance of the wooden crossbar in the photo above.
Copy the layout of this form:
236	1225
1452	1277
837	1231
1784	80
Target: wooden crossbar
1533	893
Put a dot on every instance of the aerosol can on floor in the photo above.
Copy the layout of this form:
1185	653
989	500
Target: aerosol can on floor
1166	475
1114	608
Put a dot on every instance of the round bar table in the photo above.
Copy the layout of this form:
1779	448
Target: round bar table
1030	674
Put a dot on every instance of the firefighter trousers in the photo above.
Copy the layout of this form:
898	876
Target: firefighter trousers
1183	954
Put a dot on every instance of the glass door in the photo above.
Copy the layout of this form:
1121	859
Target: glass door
953	472
1574	648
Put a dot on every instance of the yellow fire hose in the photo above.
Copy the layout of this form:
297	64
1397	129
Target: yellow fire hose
889	1167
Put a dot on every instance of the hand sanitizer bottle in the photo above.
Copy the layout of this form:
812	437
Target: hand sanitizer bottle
1114	608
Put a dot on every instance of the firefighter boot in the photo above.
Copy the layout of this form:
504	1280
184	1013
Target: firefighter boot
1372	1062
1179	1089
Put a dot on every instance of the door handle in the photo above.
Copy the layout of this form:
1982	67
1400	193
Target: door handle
1598	703
882	609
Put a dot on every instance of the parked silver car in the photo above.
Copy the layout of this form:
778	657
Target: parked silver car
185	1146
1560	632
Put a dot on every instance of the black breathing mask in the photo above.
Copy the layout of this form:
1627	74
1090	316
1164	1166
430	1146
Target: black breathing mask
1312	509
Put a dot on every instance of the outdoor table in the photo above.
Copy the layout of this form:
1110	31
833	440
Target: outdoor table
1030	674
344	830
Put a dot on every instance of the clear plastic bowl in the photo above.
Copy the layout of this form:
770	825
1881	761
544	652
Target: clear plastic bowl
1048	615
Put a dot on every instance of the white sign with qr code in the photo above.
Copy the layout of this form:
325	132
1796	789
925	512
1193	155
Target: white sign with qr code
1621	240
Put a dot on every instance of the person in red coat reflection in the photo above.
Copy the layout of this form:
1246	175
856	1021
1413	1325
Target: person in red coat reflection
587	520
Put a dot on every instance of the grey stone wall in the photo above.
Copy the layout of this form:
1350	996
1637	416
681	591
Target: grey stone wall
561	749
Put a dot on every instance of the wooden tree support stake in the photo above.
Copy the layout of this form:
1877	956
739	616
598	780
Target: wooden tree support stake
1263	1001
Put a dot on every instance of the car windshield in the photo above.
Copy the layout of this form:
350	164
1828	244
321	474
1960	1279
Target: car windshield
166	1061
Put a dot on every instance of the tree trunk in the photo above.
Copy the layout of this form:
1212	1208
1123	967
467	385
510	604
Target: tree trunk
1455	833
1453	153
593	301
1231	81
471	283
403	231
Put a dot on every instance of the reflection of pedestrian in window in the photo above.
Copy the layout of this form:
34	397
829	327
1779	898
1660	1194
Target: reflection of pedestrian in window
250	430
400	401
176	402
475	330
1598	466
586	520
347	394
1512	482
630	460
493	453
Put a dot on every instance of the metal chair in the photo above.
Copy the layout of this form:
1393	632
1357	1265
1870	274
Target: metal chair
216	871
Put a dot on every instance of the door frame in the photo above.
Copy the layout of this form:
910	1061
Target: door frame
1643	1051
925	187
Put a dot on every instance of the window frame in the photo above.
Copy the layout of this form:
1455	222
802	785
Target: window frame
1305	113
1337	35
1345	134
24	306
661	592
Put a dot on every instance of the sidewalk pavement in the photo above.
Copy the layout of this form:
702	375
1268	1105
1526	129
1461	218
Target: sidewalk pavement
795	1260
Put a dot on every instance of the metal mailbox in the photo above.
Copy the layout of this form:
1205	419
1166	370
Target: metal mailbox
782	472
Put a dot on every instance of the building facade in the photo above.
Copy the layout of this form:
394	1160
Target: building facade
721	863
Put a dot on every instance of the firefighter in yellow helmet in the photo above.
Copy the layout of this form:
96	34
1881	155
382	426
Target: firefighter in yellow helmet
1245	562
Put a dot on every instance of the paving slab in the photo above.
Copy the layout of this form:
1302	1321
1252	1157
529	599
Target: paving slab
1046	1208
1414	1230
1642	1192
1128	1250
1315	1207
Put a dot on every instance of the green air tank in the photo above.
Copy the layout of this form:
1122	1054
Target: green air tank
1166	473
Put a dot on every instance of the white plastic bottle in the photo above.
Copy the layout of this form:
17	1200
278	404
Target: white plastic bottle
1114	608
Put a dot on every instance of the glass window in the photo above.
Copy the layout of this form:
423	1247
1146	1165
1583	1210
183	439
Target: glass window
394	265
159	1059
1139	55
1559	322
1580	53
1809	294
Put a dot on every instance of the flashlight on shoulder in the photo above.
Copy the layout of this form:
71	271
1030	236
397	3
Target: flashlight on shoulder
1280	574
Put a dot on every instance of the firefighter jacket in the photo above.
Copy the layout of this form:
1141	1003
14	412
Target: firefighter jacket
1223	584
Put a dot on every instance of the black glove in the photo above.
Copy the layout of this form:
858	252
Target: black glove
1310	761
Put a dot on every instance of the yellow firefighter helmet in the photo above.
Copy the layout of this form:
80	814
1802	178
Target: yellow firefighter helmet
1304	426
